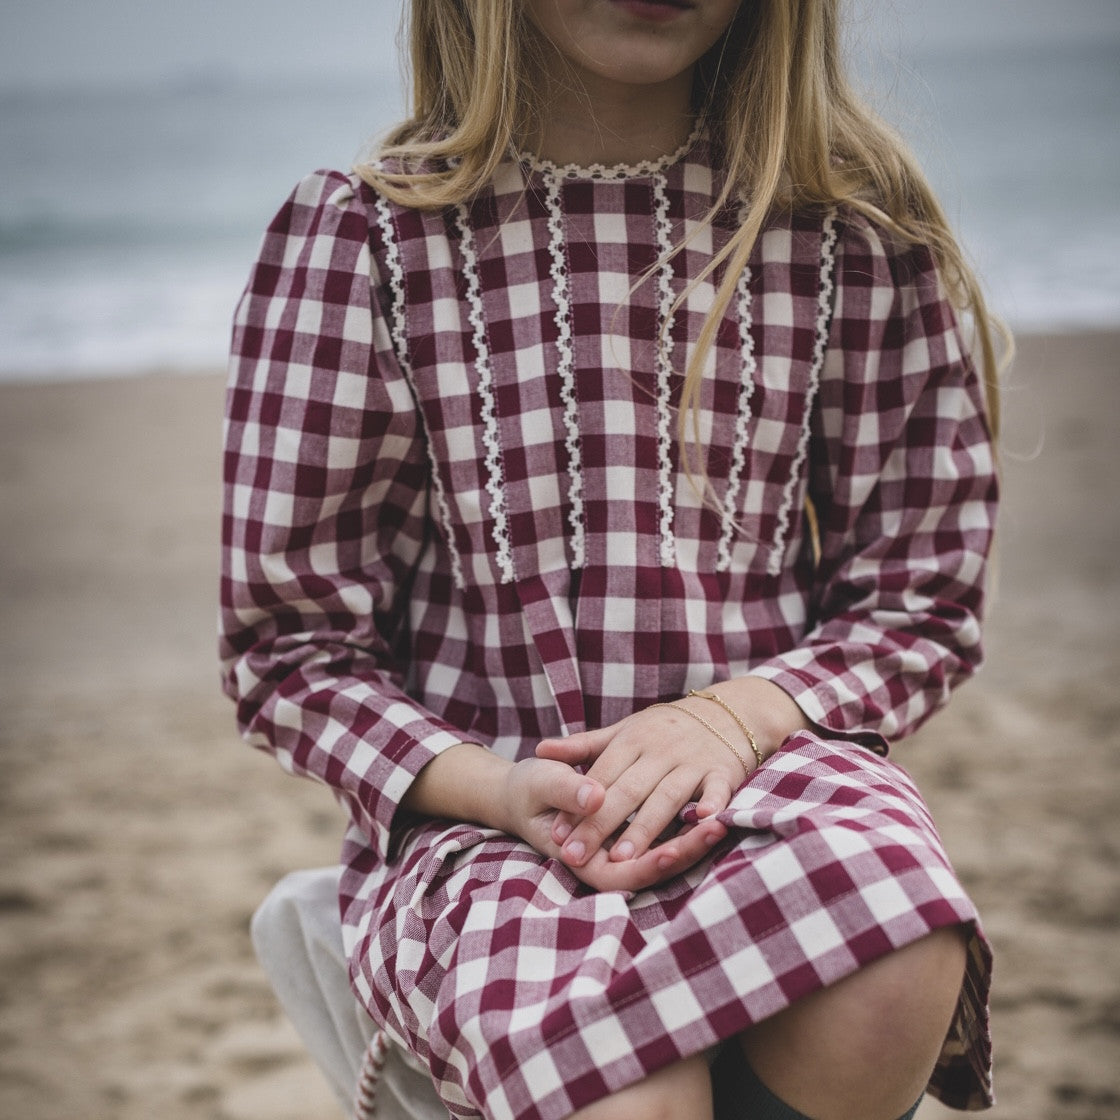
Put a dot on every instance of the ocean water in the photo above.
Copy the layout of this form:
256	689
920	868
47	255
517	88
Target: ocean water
129	217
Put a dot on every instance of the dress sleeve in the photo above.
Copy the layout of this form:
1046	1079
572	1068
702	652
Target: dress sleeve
903	480
325	491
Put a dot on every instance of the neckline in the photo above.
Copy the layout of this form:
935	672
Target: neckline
601	172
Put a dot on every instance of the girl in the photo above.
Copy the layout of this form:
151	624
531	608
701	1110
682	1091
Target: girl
607	481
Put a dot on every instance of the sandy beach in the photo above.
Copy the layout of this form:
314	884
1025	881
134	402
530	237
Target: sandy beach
137	833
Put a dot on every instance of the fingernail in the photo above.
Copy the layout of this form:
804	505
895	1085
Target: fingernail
575	851
665	862
624	850
583	795
561	830
711	839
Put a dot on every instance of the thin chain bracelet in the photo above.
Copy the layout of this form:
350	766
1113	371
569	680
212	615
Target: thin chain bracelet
714	730
735	716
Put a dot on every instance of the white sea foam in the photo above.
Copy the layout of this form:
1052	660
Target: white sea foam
78	322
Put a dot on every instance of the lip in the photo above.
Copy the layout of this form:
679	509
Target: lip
654	11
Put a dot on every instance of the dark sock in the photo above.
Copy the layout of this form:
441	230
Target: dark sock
739	1094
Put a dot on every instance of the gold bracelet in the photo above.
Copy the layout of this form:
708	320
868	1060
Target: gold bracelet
735	716
715	731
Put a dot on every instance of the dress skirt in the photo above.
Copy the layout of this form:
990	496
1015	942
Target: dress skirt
528	995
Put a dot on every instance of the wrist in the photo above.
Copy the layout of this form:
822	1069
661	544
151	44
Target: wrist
691	704
465	782
771	713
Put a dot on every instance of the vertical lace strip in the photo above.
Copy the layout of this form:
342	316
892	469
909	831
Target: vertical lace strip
665	488
365	1097
824	319
399	333
495	485
565	365
742	423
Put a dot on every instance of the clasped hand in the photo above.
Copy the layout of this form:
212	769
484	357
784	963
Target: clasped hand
609	824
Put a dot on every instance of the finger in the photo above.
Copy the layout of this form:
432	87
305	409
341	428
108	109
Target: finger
630	791
605	772
677	855
715	796
567	790
686	848
583	746
656	813
562	826
657	865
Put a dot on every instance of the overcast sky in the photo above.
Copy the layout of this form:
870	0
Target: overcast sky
82	42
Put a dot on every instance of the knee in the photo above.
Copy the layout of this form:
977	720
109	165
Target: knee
901	1007
866	1045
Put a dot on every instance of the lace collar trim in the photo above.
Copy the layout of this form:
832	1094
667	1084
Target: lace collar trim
600	171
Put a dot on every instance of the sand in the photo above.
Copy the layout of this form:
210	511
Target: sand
137	833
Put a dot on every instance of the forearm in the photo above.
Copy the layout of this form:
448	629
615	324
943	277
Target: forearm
465	782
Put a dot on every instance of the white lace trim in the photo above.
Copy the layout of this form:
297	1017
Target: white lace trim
665	485
399	334
565	366
495	485
824	317
602	171
369	1075
742	422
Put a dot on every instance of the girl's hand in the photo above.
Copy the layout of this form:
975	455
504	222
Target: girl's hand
536	791
649	765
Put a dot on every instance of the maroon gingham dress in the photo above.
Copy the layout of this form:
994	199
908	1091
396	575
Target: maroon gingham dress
455	510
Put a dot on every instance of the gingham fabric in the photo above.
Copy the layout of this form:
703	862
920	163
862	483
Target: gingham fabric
456	510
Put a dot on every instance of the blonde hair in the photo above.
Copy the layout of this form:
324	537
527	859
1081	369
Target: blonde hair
811	142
